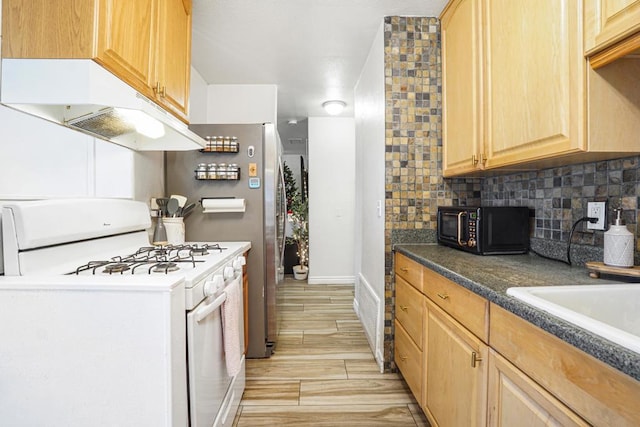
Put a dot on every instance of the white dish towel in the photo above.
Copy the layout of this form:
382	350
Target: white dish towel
231	327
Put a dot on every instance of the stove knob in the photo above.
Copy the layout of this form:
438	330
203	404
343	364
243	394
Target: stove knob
228	272
211	287
238	263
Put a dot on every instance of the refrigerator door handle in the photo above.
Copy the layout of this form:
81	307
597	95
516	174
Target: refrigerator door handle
283	211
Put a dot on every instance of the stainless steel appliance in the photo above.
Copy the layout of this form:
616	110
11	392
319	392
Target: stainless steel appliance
485	230
99	328
259	181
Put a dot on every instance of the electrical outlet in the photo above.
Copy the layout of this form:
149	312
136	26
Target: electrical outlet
597	210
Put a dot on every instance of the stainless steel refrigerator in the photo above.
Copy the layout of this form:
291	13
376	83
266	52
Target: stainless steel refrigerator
261	185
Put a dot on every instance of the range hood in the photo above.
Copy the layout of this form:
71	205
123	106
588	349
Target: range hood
82	95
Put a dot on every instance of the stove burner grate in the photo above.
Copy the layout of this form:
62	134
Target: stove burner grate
161	259
164	267
117	267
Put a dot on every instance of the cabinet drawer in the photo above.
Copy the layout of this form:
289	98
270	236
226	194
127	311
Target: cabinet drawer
410	310
408	358
463	305
409	270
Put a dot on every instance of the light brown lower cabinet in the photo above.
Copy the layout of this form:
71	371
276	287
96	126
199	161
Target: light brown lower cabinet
409	360
456	363
595	391
516	400
469	362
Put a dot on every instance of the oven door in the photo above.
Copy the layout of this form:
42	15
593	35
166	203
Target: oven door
208	378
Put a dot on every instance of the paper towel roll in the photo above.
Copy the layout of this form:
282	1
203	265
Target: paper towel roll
223	205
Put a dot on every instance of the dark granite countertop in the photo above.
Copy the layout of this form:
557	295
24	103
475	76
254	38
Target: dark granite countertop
490	276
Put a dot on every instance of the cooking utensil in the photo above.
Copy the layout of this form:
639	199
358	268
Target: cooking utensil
187	210
172	207
162	205
182	201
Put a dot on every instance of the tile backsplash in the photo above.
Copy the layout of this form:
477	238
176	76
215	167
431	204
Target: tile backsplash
559	197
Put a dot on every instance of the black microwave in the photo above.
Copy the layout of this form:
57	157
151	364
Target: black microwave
485	230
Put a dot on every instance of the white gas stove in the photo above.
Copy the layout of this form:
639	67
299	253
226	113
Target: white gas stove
112	330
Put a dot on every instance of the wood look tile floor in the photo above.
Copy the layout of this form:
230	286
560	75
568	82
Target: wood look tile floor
323	372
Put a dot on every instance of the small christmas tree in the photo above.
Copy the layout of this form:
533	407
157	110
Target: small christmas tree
290	187
299	221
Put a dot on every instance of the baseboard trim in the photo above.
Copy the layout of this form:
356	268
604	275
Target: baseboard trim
331	280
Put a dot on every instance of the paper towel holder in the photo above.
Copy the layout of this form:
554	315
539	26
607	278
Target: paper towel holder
222	204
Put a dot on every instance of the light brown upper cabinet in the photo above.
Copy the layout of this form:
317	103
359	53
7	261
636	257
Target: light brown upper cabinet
612	30
147	43
462	87
517	89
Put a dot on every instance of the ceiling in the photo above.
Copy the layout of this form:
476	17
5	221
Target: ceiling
313	50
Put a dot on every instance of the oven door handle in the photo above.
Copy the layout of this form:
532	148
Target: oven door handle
210	307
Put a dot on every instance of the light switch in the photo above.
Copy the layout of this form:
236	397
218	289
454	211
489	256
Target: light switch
253	169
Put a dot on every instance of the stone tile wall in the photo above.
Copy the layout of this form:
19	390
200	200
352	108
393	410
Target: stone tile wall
413	143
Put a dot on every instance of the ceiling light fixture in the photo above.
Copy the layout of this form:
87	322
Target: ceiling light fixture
334	107
292	122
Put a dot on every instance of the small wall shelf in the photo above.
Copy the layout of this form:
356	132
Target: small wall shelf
221	146
233	175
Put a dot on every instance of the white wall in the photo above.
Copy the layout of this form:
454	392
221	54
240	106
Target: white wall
331	200
39	159
242	104
198	98
370	190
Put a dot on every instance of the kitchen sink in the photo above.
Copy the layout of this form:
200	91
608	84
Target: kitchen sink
610	311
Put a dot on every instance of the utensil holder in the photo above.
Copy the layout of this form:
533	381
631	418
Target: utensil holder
175	230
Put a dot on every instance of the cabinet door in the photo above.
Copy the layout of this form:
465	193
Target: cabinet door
174	55
461	86
48	29
408	358
515	400
614	20
410	310
456	372
125	40
534	80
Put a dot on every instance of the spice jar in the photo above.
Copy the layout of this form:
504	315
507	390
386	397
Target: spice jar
201	171
227	143
220	143
212	171
232	171
222	171
235	146
209	145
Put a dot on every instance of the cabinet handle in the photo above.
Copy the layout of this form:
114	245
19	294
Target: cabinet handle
475	359
443	296
403	358
161	91
404	269
404	308
478	159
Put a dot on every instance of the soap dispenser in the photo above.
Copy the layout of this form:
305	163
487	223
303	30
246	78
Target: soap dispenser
618	243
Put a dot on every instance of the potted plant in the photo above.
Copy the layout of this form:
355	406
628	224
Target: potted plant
300	231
